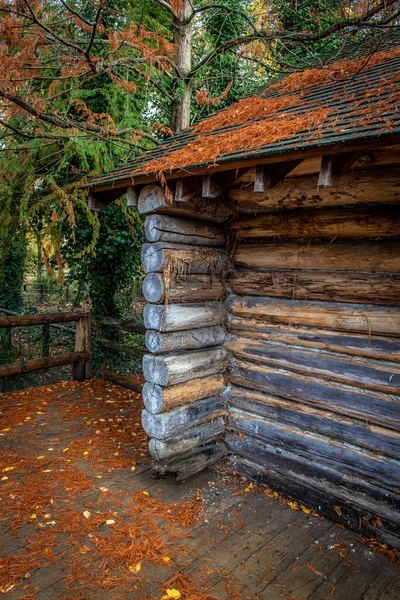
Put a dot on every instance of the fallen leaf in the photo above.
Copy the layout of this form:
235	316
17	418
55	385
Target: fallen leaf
306	510
65	449
85	453
33	516
247	490
104	489
110	522
146	493
172	593
86	514
135	568
166	558
6	469
39	457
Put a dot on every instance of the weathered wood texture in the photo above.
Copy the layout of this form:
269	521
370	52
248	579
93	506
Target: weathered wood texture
361	256
376	407
191	462
363	372
192	339
161	228
152	199
122	324
192	437
363	187
176	421
159	399
357	318
40	319
372	288
329	491
178	317
183	259
312	418
380	348
158	287
171	369
382	222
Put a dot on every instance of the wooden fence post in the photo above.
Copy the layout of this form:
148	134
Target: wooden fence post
80	370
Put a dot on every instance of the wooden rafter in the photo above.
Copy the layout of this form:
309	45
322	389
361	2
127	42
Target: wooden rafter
268	176
334	165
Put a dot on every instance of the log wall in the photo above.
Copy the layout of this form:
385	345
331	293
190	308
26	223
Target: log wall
314	378
185	287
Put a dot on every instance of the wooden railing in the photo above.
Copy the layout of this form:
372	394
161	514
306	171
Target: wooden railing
80	358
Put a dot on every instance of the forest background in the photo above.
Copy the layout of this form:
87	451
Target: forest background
86	85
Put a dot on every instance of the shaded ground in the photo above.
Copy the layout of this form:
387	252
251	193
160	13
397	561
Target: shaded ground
81	517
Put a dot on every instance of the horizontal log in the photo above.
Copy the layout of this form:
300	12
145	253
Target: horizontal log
354	223
152	199
191	462
310	418
158	288
366	186
374	467
176	421
371	320
161	228
191	339
322	488
380	348
159	399
121	324
42	363
121	381
41	319
372	288
124	348
363	372
178	317
372	256
182	260
192	438
172	369
376	407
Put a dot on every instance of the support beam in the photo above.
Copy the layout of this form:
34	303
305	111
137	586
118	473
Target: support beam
95	203
267	176
333	166
210	187
214	185
132	196
187	188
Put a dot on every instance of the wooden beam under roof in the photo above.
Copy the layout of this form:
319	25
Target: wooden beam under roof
268	176
334	165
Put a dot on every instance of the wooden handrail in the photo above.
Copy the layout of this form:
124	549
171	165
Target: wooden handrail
41	319
42	363
121	324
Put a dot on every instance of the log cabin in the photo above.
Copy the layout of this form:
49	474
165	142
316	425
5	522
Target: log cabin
273	291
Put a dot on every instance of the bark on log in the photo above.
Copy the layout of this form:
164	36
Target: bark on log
383	257
375	407
172	369
192	462
178	317
158	399
183	260
372	288
158	288
371	320
193	339
192	438
161	228
380	348
365	373
354	223
42	363
152	200
380	470
41	319
308	418
363	187
176	421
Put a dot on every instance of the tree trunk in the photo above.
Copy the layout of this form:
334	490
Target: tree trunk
180	116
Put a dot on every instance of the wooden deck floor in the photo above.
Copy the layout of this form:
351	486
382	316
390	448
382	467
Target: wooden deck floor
81	517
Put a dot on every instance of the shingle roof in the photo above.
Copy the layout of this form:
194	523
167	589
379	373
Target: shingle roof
341	104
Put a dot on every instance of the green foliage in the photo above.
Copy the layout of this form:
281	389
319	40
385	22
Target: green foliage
101	275
12	275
